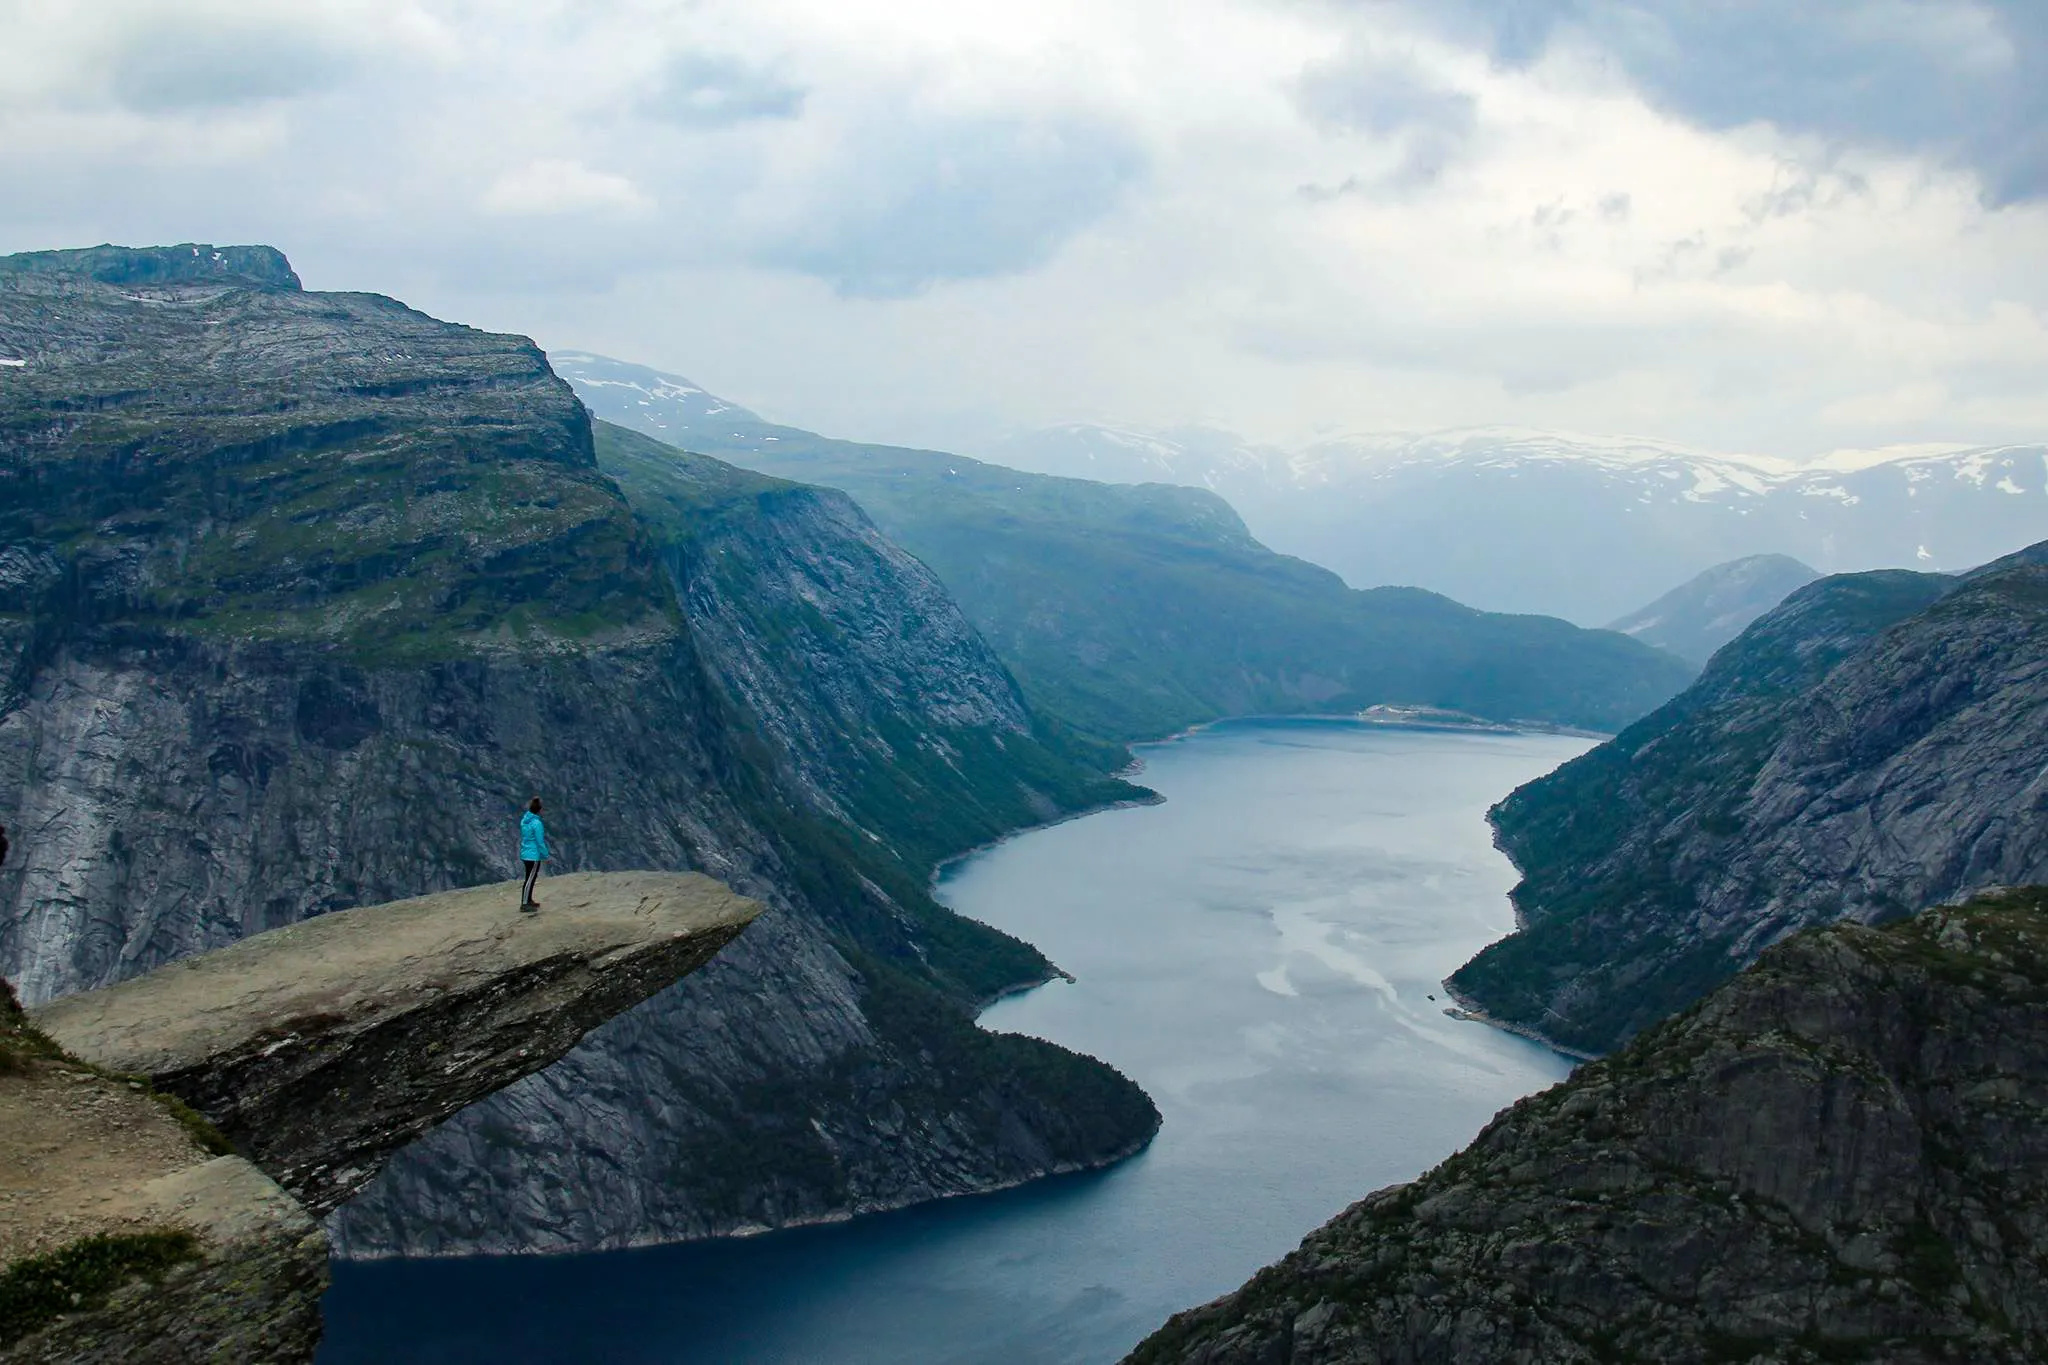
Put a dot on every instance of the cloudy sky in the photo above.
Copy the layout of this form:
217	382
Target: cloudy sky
1786	228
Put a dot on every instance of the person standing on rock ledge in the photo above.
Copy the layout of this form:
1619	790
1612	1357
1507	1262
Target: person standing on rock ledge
533	851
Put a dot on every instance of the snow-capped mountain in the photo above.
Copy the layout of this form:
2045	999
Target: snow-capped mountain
669	405
1200	457
1578	526
1584	527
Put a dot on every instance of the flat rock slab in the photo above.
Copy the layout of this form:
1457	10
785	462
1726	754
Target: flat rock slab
322	1047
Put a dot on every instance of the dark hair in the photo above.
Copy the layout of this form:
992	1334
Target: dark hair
534	805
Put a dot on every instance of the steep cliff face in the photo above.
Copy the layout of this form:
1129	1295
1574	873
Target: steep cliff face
300	596
1873	745
804	605
807	1085
1842	1155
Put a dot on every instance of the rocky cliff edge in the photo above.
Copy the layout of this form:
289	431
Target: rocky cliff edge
323	1047
133	1228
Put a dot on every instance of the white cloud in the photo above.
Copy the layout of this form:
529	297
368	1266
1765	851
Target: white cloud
920	219
554	186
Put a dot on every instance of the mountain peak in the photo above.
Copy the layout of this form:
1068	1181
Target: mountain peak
1699	616
674	406
264	267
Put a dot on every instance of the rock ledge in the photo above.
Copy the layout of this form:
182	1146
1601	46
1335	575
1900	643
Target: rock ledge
321	1048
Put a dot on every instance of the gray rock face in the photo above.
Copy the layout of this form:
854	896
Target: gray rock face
1873	745
1842	1155
321	1048
302	595
189	263
1700	615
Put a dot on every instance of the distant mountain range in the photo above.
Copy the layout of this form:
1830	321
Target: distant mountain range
1586	528
1133	612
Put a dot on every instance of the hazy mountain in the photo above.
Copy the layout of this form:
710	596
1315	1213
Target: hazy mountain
1135	611
1699	616
1871	746
1581	527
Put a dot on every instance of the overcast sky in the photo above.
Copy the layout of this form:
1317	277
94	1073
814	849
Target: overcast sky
1752	225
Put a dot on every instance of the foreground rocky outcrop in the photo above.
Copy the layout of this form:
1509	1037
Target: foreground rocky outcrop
1842	1155
130	1117
303	594
1873	745
128	1234
321	1048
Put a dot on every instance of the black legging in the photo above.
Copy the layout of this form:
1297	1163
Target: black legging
532	876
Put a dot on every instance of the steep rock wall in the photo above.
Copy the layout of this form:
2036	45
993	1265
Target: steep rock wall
1875	744
302	595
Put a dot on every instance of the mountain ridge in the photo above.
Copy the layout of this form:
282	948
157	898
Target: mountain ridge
1587	528
1868	746
1135	612
1703	613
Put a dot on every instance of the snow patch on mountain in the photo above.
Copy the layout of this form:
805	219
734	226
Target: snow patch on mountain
1508	518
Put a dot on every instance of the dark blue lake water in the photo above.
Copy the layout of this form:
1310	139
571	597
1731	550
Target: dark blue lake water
1259	953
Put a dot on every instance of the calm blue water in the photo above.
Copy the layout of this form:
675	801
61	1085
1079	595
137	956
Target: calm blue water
1259	953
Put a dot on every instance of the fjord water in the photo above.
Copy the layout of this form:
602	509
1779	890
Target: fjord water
1259	953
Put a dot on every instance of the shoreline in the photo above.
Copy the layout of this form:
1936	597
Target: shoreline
753	1230
1396	720
1128	803
1469	1009
1422	718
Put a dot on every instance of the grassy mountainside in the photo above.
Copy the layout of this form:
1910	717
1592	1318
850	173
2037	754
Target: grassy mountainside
1872	745
1841	1155
302	594
203	464
1133	612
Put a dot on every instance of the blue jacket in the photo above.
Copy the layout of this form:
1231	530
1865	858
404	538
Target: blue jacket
533	839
